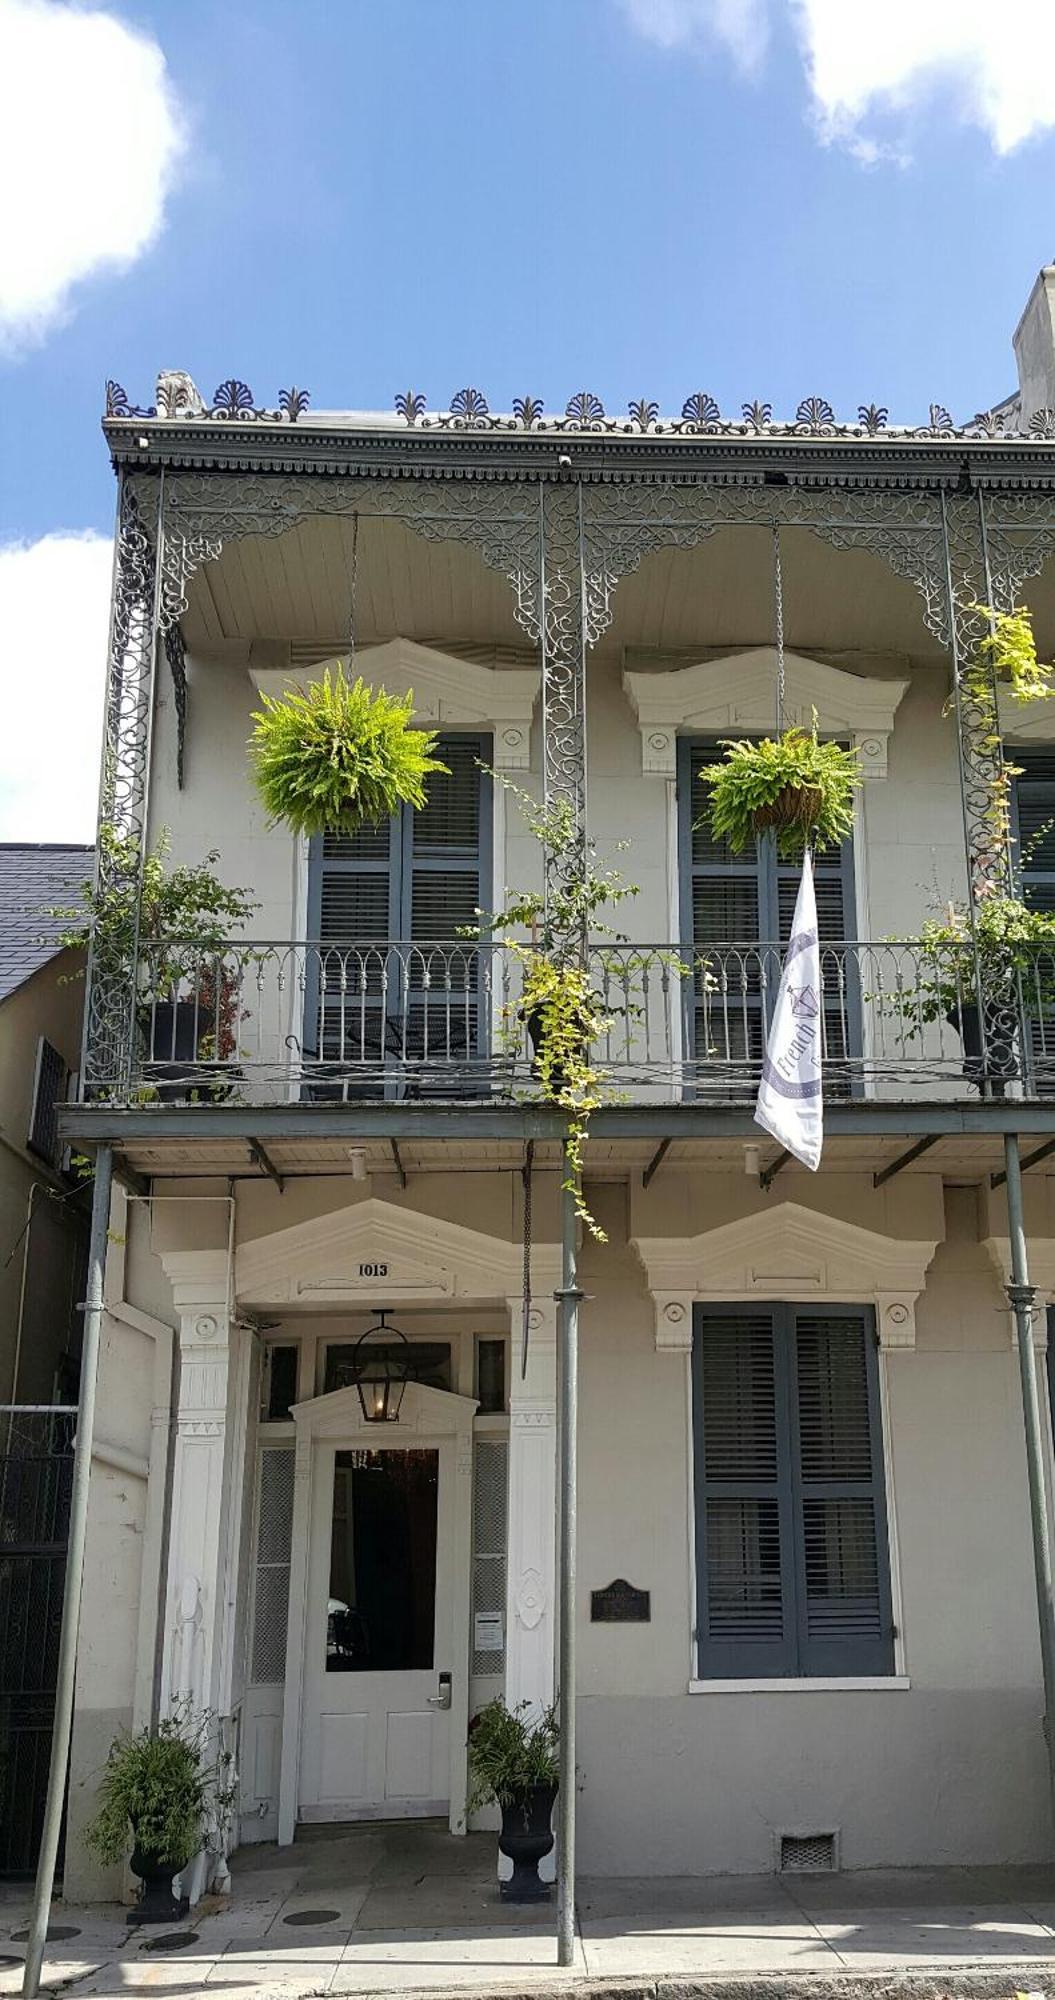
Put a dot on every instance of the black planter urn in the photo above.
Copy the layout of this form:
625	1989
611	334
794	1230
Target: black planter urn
525	1837
157	1904
1002	1052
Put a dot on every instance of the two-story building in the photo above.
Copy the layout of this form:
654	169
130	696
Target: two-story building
801	1438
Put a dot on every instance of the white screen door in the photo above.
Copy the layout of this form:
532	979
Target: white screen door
375	1737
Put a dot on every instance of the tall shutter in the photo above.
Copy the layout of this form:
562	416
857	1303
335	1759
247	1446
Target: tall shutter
844	1610
790	1507
749	900
49	1088
742	1492
419	878
1033	825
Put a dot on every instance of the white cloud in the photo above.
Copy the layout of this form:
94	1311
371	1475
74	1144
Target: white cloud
54	614
738	26
90	136
986	65
993	64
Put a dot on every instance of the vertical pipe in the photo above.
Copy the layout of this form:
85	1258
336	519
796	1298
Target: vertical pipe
71	1602
568	1296
1021	1295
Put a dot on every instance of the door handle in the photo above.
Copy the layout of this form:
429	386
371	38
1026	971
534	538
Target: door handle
443	1699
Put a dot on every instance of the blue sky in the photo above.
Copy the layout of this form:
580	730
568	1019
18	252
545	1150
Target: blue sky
640	197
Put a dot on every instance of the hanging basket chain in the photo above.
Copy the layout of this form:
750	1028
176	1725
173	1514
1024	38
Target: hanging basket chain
352	581
778	605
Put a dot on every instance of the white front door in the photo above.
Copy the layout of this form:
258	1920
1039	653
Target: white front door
379	1645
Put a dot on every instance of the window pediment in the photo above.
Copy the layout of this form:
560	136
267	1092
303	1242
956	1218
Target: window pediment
448	692
736	695
787	1253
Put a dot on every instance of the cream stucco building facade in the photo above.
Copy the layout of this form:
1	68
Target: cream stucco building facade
801	1435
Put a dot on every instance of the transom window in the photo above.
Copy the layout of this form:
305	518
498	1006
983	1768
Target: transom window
791	1538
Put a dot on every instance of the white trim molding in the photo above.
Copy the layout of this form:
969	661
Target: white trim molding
1023	721
730	695
375	1250
785	1252
448	692
1041	1252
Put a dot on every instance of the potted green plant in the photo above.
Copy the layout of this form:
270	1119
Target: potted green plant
339	755
1008	652
795	784
187	997
155	1798
1016	966
513	1764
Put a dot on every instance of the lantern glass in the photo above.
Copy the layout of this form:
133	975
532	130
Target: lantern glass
380	1374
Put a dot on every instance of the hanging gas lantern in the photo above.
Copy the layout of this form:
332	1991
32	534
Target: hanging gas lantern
379	1375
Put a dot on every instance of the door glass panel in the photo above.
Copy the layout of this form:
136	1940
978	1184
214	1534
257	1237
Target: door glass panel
382	1605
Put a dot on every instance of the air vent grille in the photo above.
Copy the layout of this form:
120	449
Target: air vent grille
808	1854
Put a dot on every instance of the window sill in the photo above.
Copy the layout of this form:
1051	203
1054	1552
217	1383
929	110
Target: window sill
846	1684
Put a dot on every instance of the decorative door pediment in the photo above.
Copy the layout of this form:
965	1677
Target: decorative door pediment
339	1414
448	692
736	695
374	1252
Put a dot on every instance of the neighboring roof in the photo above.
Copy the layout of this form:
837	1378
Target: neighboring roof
34	877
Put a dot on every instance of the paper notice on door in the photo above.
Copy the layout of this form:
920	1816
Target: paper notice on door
488	1636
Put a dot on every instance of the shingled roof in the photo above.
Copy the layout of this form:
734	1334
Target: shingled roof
31	879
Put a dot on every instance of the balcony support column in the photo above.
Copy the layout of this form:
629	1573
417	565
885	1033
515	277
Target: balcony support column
1022	1297
110	998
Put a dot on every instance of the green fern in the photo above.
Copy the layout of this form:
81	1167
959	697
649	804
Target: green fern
339	756
754	778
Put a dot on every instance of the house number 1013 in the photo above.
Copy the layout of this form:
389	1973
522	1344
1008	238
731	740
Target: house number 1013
373	1270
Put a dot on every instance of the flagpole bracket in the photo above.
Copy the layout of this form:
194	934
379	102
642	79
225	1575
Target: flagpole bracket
769	1174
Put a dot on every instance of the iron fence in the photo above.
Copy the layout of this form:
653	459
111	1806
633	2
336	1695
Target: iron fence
36	1473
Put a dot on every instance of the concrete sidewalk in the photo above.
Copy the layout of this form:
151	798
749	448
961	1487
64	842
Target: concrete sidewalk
400	1909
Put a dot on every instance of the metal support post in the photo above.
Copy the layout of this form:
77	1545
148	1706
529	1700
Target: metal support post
568	1298
71	1601
1021	1295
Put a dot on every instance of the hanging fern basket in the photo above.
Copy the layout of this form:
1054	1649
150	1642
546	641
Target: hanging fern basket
339	755
797	806
795	785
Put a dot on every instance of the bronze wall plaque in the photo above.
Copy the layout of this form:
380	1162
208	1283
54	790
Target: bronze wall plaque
620	1603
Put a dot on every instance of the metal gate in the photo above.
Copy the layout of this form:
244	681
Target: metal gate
36	1471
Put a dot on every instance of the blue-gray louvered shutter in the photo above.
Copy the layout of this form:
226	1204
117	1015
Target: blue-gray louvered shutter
748	900
842	1567
446	868
1033	825
744	1537
353	910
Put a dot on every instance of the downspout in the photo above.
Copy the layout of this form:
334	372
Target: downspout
71	1601
1021	1297
568	1299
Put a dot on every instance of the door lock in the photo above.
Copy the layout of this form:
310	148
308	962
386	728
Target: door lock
443	1699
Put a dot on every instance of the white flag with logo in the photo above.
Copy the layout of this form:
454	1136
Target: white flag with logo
790	1102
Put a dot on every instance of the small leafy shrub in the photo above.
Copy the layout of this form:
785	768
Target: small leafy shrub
1009	650
153	1793
339	756
509	1752
184	905
1016	945
800	786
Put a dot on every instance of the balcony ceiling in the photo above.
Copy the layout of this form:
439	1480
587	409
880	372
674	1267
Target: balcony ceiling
957	1157
296	587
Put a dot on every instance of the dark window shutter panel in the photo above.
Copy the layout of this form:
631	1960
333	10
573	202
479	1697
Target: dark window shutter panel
49	1091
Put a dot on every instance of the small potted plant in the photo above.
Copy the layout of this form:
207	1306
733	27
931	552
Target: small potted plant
154	1797
187	994
513	1764
1008	652
794	784
339	756
1016	964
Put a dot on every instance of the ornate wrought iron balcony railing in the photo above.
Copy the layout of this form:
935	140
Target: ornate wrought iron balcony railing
267	1022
